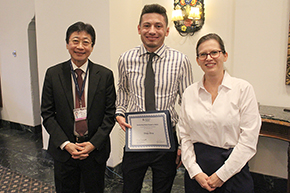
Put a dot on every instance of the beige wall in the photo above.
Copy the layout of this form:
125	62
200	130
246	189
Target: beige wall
255	33
15	71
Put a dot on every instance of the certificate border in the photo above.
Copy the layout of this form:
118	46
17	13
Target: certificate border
141	148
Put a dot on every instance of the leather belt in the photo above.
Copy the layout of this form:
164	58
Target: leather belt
81	139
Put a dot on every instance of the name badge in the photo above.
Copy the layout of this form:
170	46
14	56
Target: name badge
80	113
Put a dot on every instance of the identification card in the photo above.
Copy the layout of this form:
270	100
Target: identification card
80	113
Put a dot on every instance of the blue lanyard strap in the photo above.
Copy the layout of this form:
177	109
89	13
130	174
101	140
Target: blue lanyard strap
80	92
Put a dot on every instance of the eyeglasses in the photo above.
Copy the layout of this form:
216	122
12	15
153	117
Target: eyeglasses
213	54
84	42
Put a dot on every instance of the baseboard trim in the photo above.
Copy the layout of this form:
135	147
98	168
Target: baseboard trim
18	126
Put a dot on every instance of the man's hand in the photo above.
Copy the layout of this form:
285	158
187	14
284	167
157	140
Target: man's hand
80	150
178	158
122	122
214	181
72	149
86	149
202	179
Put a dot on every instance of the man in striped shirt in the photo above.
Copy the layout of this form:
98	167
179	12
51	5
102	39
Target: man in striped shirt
173	73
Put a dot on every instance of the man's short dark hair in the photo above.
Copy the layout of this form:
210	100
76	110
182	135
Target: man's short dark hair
154	8
78	27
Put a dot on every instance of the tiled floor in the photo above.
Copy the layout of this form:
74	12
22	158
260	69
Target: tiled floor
21	151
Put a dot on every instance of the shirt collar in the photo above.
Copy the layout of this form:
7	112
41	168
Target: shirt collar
83	67
225	83
159	52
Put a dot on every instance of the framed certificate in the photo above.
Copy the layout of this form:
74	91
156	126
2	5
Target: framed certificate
151	131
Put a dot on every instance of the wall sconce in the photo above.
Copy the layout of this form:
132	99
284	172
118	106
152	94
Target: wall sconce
188	16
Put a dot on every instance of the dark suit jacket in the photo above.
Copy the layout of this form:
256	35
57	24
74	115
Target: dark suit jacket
57	109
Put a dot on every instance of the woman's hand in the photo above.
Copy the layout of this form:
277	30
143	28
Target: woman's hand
202	179
214	181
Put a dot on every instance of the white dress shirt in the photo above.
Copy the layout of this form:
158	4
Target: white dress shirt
83	68
232	121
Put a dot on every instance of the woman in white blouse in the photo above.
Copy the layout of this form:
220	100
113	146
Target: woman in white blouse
219	125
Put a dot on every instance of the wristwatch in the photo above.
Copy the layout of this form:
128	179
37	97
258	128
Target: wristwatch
119	114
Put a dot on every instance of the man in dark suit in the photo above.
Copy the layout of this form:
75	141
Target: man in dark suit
78	113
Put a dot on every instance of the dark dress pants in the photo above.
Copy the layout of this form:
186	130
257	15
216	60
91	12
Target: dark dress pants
210	159
68	175
135	165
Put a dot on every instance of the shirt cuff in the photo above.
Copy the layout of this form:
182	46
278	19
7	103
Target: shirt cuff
194	170
222	175
64	144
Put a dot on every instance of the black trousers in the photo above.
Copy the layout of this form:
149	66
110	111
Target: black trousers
135	165
68	175
210	159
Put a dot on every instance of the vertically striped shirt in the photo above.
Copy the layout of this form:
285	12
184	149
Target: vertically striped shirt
173	73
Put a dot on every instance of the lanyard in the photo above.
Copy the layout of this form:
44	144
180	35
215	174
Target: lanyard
80	92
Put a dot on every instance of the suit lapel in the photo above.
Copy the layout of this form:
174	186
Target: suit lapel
66	82
94	79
